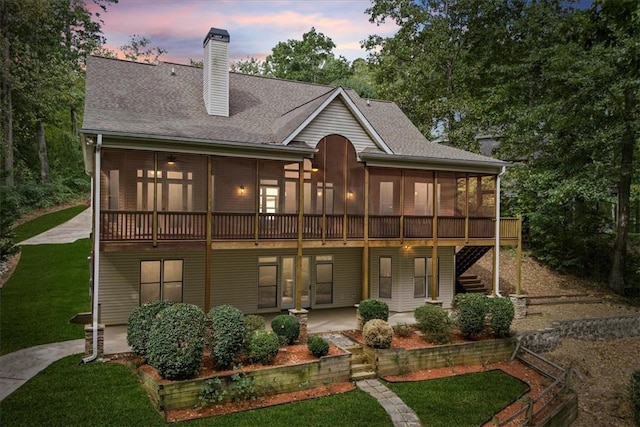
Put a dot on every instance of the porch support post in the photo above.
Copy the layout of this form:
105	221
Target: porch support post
496	251
207	251
519	256
345	190
466	208
434	250
298	303
401	207
154	217
256	204
365	249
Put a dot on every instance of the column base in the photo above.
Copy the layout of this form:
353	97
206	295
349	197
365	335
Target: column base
303	319
88	340
519	305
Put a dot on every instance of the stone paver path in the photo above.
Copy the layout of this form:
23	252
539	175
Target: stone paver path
78	227
401	414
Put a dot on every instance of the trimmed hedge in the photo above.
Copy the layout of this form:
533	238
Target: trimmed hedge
434	323
377	333
470	311
373	309
227	335
253	322
318	346
287	327
176	341
263	346
501	314
140	322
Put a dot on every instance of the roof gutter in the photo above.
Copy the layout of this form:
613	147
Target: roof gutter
96	251
435	163
203	146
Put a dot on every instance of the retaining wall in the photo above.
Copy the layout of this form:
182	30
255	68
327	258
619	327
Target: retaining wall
597	329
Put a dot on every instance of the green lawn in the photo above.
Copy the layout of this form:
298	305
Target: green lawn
49	286
46	222
108	394
464	400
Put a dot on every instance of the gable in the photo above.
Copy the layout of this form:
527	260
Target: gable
336	118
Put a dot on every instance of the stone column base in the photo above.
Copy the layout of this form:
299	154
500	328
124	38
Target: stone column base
88	340
437	303
359	319
520	306
303	319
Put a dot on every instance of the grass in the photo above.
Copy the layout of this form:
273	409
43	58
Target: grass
463	400
49	286
45	222
98	394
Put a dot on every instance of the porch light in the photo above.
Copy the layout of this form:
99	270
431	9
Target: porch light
242	190
171	159
314	165
349	194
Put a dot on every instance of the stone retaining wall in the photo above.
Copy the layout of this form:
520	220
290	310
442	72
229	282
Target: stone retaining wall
597	329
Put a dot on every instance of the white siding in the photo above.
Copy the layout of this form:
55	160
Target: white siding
120	281
215	88
402	298
336	119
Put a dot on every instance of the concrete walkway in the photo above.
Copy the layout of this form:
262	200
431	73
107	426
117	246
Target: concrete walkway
78	227
401	415
20	366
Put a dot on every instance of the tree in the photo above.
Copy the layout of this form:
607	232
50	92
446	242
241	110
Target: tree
309	60
139	49
250	66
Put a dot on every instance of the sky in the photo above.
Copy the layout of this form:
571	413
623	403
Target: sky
254	26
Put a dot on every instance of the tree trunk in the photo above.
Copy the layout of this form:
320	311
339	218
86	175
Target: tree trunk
616	278
7	105
42	153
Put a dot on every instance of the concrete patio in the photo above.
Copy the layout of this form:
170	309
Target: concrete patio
320	320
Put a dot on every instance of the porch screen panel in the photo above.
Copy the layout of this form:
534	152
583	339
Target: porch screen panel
336	152
461	196
129	164
488	204
447	194
418	193
384	192
355	183
234	185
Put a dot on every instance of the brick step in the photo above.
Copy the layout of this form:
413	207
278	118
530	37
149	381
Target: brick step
363	376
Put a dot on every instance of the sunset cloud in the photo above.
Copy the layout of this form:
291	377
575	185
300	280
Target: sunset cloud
255	26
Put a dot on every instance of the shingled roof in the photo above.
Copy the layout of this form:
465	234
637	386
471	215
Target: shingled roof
165	101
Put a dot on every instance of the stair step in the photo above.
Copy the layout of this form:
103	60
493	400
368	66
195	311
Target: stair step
363	376
359	359
469	281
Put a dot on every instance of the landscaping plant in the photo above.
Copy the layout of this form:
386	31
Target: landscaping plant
318	346
434	323
287	327
470	311
140	322
176	341
501	314
402	330
635	395
227	335
263	346
253	322
377	333
373	309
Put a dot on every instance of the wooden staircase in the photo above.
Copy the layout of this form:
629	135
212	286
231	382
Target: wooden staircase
468	283
361	367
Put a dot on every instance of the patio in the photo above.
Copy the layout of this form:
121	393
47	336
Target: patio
320	320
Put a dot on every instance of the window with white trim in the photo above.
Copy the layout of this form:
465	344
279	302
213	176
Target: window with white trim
385	277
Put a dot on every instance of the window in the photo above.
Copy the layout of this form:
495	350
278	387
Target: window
269	196
419	277
161	280
267	282
324	279
385	281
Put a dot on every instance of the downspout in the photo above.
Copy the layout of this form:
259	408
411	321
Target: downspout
497	249
96	250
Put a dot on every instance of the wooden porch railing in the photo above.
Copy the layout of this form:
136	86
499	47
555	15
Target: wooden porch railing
138	226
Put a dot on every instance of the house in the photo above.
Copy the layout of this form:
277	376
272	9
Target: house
212	187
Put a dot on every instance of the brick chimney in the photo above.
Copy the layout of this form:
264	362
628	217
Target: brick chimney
215	88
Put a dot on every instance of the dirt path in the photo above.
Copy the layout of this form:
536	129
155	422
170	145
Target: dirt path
603	369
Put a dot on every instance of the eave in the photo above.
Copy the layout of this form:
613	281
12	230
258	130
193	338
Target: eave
432	163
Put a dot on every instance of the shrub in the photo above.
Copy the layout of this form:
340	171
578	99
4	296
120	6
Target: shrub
287	327
402	330
263	346
377	333
471	311
318	346
501	314
634	388
176	341
434	323
227	335
253	322
373	309
140	322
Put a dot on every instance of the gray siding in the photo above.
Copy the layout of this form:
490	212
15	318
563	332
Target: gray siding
402	298
336	119
234	276
119	291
